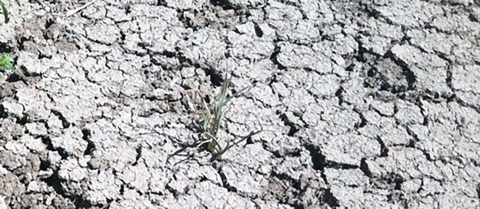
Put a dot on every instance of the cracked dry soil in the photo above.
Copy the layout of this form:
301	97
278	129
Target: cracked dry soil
368	104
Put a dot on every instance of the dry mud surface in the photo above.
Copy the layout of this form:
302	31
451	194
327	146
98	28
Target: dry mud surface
365	104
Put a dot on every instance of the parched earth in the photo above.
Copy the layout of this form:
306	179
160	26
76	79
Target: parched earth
364	104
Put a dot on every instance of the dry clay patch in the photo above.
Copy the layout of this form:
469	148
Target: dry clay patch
371	105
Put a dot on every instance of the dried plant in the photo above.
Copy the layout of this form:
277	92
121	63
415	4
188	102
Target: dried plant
213	115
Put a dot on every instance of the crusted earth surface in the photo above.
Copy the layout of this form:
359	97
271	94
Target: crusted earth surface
364	104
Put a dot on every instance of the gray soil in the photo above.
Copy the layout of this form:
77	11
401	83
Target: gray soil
365	104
